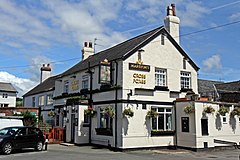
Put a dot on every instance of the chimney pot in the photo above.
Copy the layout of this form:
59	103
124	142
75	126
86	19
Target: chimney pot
85	44
173	9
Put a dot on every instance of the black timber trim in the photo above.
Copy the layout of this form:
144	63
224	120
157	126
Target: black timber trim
133	101
186	89
161	88
143	89
171	39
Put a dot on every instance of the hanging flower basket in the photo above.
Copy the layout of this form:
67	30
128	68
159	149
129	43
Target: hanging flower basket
109	112
209	109
151	114
90	112
128	112
222	110
189	109
51	114
235	112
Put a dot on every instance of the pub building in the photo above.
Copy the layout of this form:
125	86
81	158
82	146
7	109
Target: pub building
141	93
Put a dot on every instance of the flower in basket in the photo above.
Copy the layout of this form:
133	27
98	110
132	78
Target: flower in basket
51	114
189	109
128	112
234	112
90	112
151	114
209	109
222	110
109	112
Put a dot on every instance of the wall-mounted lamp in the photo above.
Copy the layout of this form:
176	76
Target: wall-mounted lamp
130	93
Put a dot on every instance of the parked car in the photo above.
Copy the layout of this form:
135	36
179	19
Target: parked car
20	137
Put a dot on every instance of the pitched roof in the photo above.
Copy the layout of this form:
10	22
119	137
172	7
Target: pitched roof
205	86
8	87
126	49
45	86
229	87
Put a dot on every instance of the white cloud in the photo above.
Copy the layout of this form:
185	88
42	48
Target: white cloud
235	16
22	85
212	64
36	63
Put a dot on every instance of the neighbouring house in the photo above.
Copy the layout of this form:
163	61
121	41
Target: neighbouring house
219	91
8	95
41	96
207	88
141	76
229	92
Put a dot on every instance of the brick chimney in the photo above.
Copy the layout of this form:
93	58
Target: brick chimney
45	72
87	50
172	22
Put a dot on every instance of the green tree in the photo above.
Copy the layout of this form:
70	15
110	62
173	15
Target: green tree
28	118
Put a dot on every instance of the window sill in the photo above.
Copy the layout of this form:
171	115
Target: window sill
185	89
161	88
86	124
155	133
104	131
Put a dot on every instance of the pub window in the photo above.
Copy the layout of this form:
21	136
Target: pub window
85	82
160	77
185	78
185	124
163	121
105	121
184	63
41	101
66	86
33	101
144	106
162	39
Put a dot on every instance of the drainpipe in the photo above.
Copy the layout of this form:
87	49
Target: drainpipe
90	101
175	115
116	98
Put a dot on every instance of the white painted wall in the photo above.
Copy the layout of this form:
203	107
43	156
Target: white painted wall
229	131
10	100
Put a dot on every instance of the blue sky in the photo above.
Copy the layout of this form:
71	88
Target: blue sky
34	32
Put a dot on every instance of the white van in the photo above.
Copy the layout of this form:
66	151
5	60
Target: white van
10	122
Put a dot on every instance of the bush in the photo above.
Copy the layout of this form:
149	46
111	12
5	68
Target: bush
151	114
235	112
209	109
90	112
28	118
189	109
128	112
223	110
109	112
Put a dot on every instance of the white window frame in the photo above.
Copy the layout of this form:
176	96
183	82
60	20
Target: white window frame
41	100
104	122
164	113
160	77
66	86
85	80
185	80
49	99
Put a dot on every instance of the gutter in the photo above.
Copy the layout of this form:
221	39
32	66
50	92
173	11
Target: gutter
116	98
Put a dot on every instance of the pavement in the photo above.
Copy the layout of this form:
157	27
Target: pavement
60	152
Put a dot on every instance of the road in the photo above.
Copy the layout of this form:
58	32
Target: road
58	152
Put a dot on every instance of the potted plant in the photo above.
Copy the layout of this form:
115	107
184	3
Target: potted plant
151	114
209	109
234	112
222	111
109	112
51	114
90	112
128	112
189	109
